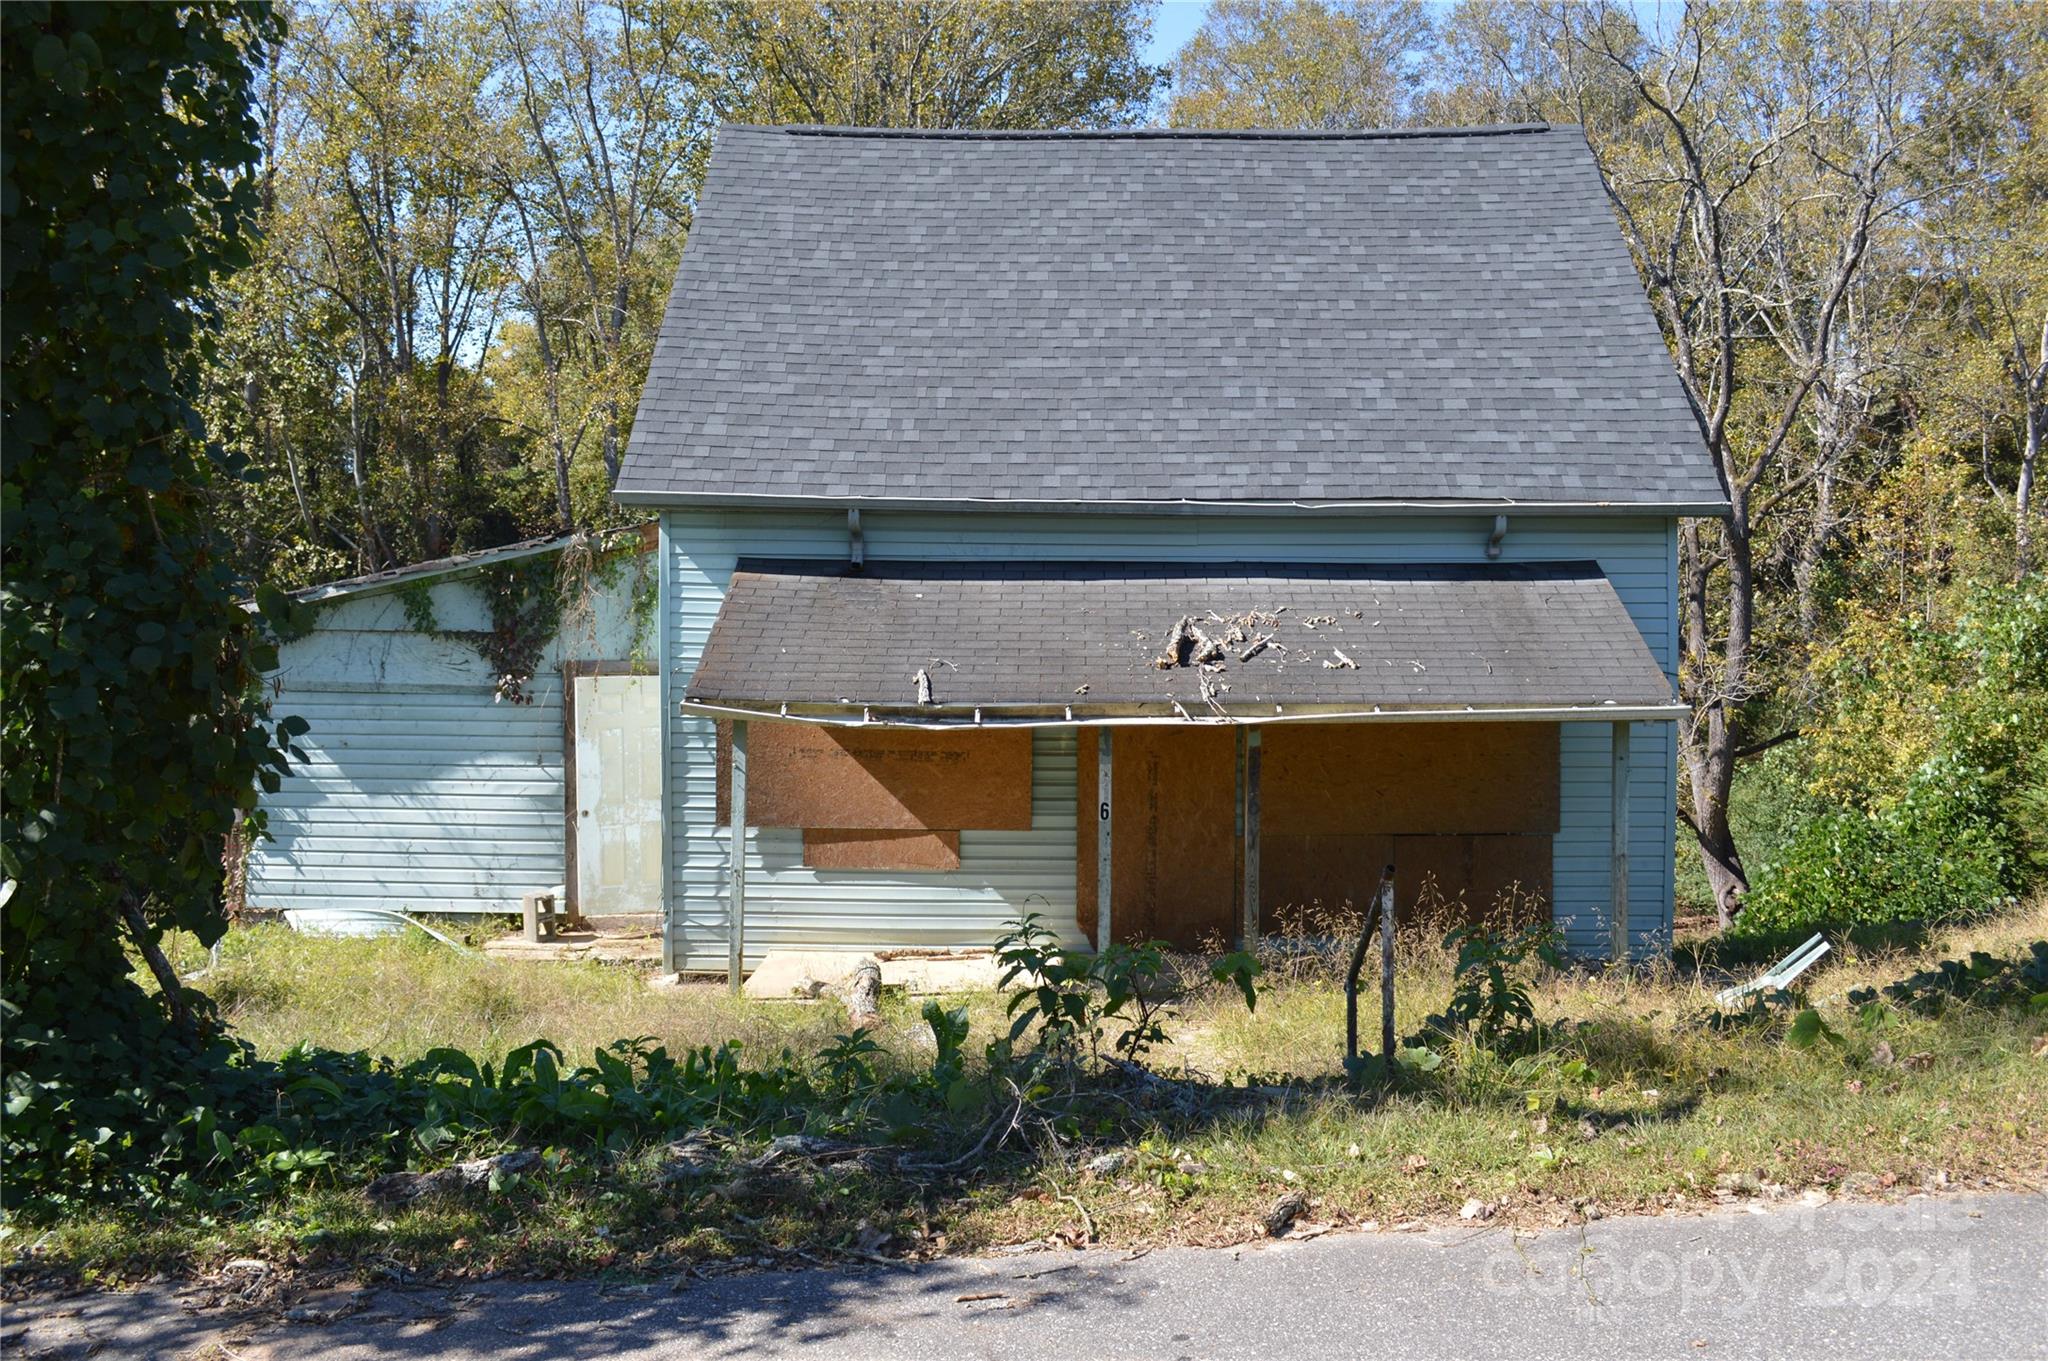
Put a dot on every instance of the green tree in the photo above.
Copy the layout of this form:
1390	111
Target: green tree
1987	236
607	126
936	64
1324	64
135	729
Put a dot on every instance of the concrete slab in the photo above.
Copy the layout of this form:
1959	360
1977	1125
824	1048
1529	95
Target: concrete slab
801	975
626	938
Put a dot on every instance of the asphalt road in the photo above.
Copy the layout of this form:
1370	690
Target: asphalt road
1929	1277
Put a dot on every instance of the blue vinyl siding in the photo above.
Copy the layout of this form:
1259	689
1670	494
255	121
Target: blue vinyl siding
789	905
422	790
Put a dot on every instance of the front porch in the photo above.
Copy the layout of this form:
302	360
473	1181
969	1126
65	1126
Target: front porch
1241	744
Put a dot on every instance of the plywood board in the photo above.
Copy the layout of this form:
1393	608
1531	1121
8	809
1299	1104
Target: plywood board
882	779
1323	870
1174	855
849	849
1463	878
1410	778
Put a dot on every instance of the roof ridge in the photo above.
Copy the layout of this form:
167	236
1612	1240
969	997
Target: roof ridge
1143	134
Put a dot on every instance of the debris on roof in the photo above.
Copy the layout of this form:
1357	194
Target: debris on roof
1060	635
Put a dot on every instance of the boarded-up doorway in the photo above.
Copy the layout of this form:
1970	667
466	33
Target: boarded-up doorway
1173	861
616	793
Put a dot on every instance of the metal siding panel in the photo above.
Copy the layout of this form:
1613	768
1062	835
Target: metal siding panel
1638	554
433	802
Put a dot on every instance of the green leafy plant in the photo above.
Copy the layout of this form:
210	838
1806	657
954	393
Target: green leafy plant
1982	980
135	726
1123	993
1490	994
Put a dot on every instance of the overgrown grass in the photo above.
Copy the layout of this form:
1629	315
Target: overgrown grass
401	996
1634	1101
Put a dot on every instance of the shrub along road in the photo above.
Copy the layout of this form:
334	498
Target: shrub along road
1928	1276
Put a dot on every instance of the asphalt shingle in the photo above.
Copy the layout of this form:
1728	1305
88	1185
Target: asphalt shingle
1161	317
1001	635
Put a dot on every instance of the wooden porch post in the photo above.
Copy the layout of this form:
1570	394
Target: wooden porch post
1248	813
736	890
1103	772
1618	817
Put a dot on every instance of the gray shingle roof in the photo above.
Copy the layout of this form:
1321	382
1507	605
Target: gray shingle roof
1028	634
1061	318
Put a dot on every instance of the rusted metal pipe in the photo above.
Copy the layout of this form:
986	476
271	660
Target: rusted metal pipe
1384	899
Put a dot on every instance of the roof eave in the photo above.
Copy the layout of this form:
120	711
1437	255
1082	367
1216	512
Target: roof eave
667	500
1173	714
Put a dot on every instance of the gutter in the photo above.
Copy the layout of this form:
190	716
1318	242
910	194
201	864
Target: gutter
1184	506
1139	716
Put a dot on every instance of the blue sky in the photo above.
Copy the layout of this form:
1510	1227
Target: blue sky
1175	23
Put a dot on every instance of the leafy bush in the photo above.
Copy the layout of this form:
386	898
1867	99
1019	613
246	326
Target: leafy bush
1934	756
1941	853
84	1123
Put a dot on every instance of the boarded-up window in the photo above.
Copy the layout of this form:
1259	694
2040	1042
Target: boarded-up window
881	798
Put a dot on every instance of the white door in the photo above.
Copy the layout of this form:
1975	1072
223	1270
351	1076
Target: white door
618	794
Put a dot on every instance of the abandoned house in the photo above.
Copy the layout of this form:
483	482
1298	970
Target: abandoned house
1154	531
1157	530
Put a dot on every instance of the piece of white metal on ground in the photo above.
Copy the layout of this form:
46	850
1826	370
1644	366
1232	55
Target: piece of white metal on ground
1779	974
304	921
1617	900
1103	819
736	891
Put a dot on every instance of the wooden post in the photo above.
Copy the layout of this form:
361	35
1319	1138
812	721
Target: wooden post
1244	936
1618	817
1249	814
1103	818
1387	970
736	891
1104	774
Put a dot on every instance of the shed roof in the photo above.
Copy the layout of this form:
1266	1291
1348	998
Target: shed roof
1010	638
1162	318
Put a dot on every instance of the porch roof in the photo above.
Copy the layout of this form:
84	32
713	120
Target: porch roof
1088	642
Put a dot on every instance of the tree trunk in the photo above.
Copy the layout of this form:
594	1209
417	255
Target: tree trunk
2023	496
1709	746
152	953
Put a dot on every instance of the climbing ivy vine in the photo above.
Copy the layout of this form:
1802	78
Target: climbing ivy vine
134	729
528	600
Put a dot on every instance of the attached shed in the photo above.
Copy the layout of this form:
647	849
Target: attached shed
446	755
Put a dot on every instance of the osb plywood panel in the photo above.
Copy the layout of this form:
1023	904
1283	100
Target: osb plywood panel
1331	871
881	779
1174	867
1464	877
1397	778
849	849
